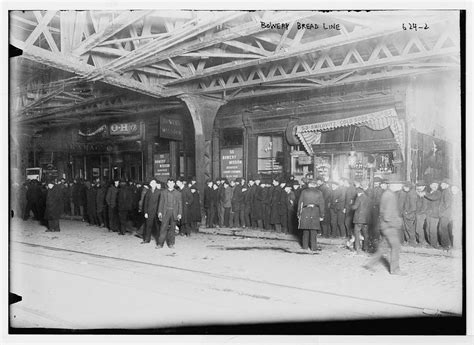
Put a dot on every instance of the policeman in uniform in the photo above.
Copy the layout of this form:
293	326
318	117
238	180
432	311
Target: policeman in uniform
310	214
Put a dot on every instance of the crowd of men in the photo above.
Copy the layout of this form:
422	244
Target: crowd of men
431	214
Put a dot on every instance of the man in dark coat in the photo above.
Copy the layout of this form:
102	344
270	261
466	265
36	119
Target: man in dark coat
100	203
257	204
407	204
124	205
291	206
170	210
326	190
445	214
82	200
246	206
421	208
310	214
150	210
214	205
111	201
361	219
336	207
266	197
351	195
374	228
195	213
275	200
187	201
54	207
432	214
75	192
390	226
207	202
283	207
237	202
33	197
91	196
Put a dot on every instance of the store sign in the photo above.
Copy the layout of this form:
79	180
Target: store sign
231	162
171	128
305	160
162	166
131	128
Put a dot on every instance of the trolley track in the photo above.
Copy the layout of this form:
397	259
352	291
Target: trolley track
225	277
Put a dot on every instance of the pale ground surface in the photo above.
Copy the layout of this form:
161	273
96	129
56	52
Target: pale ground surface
209	279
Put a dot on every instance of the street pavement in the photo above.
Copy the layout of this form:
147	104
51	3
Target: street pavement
85	277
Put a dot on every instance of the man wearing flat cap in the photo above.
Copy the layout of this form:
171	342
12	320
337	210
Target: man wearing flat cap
310	214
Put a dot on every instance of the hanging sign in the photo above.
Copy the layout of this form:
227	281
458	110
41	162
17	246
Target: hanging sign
231	162
171	128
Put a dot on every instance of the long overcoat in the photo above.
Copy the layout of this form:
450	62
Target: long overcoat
195	214
310	209
151	202
54	203
187	201
257	206
275	200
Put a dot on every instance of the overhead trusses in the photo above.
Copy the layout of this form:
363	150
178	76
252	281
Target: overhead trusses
228	55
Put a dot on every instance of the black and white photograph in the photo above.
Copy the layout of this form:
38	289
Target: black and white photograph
259	171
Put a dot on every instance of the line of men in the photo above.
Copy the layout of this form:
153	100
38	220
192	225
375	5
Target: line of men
429	216
119	206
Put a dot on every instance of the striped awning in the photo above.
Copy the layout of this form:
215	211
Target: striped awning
310	134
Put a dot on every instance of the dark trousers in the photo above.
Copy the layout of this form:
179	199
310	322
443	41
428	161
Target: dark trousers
420	228
349	226
226	216
432	230
309	239
236	218
444	236
123	217
392	236
53	225
220	214
185	228
151	223
113	223
284	221
247	218
266	217
291	219
100	218
168	225
358	229
338	229
409	229
213	219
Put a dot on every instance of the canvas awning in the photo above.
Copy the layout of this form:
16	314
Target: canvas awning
310	134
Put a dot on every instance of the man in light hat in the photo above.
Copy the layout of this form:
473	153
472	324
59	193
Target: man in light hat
445	214
390	225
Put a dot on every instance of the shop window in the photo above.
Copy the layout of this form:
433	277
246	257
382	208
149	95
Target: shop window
270	154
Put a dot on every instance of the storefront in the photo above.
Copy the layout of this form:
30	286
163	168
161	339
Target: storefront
160	147
357	147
